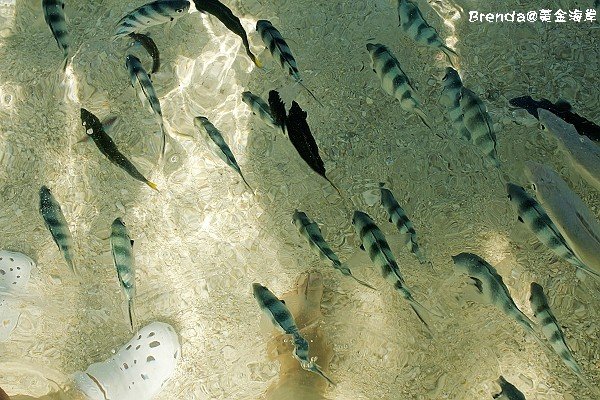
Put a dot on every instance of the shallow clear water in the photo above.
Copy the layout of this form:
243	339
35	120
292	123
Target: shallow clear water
204	239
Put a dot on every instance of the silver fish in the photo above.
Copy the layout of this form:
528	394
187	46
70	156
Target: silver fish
490	284
259	107
140	80
479	123
374	243
583	154
282	318
150	14
218	145
57	225
280	50
393	80
414	25
450	98
532	214
399	218
573	218
508	391
122	252
311	232
54	14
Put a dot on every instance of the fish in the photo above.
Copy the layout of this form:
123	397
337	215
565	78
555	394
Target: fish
148	44
218	145
563	110
260	108
56	223
311	232
479	124
304	142
450	98
226	16
122	252
54	14
551	329
574	220
151	14
282	318
374	243
508	391
411	21
399	218
145	90
583	154
95	130
280	51
490	284
533	215
277	109
394	81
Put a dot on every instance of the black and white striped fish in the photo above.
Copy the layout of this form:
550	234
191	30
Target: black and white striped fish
374	243
532	214
508	391
54	14
479	123
404	225
57	225
414	25
149	45
150	14
280	50
140	81
450	98
122	253
218	145
282	318
259	107
311	232
490	284
393	80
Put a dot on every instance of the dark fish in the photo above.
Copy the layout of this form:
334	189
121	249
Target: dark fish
56	223
561	109
93	128
54	14
151	14
224	14
150	46
305	144
277	109
509	391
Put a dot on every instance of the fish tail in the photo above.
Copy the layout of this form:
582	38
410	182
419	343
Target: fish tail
316	369
257	61
246	182
152	185
130	312
334	186
449	53
309	92
163	144
362	282
423	118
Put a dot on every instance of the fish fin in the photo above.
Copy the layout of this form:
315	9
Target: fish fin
109	123
520	219
362	282
313	367
282	301
362	247
245	182
311	93
257	62
477	283
152	185
84	139
334	186
448	52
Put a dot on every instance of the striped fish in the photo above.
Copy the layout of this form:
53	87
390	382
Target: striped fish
151	14
54	14
149	45
532	214
374	243
508	391
259	107
393	80
218	145
57	225
411	21
311	232
282	318
451	99
280	50
490	284
399	218
140	81
479	123
122	252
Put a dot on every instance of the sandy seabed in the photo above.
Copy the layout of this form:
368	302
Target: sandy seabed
203	240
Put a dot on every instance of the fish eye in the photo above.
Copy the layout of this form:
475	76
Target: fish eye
180	10
534	187
542	126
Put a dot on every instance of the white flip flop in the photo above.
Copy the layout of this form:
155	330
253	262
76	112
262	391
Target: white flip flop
15	269
139	369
